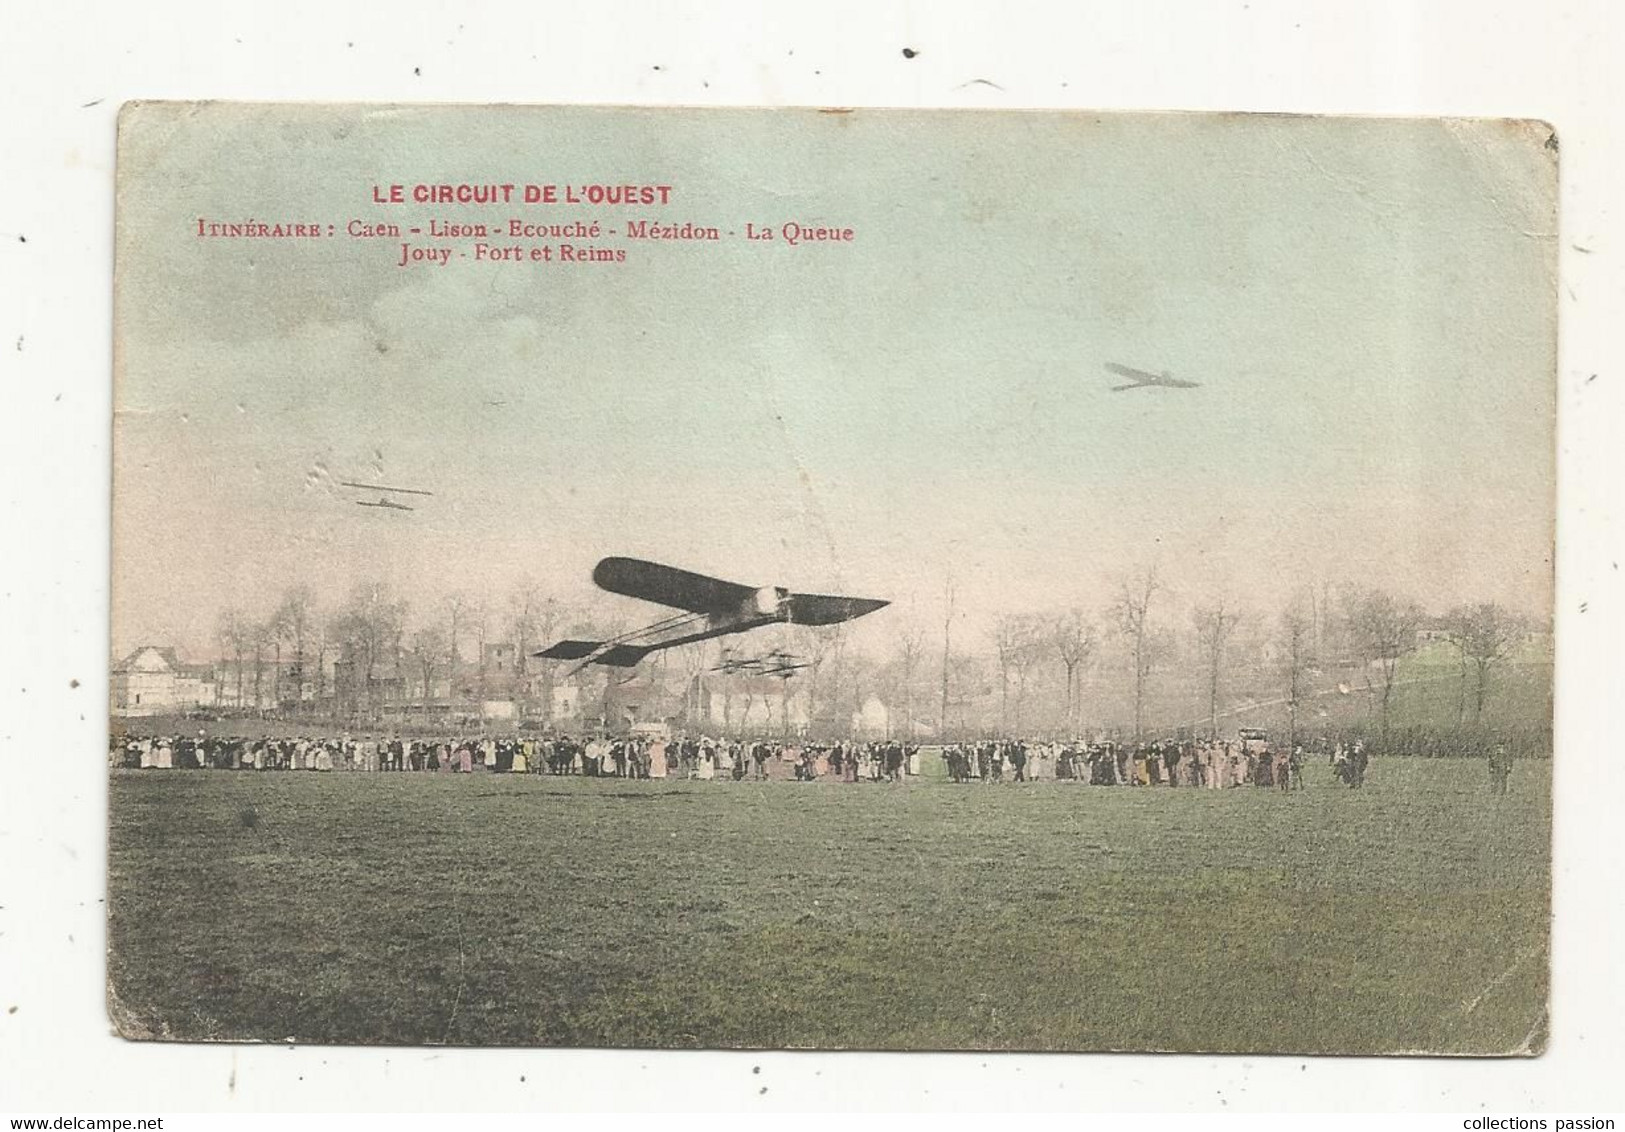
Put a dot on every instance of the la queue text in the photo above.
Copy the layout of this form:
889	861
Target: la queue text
795	234
522	194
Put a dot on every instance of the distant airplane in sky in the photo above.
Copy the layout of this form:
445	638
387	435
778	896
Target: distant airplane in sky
384	500
1143	379
776	663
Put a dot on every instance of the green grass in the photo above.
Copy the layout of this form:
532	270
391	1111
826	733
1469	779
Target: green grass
410	909
1519	695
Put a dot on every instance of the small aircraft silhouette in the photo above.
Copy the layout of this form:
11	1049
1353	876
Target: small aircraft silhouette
384	500
1143	379
785	667
776	663
710	608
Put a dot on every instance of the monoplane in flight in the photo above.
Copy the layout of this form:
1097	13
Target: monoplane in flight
1144	379
710	607
384	500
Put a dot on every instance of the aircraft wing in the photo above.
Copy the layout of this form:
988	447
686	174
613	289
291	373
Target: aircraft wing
667	585
622	656
384	487
823	609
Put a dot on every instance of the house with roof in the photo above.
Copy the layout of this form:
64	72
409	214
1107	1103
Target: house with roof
153	680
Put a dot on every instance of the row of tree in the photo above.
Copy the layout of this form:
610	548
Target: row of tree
1038	668
1364	630
369	632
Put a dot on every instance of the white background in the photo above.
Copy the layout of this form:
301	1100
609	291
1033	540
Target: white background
65	68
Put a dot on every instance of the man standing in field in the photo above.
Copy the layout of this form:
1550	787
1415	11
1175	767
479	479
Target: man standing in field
1500	768
1358	762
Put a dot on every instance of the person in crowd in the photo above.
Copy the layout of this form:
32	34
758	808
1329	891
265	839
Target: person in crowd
1017	755
1213	763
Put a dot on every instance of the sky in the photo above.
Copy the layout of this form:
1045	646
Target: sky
1368	305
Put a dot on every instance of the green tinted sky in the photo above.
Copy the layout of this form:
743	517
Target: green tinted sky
1370	306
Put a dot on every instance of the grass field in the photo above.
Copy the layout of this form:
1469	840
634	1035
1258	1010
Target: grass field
406	909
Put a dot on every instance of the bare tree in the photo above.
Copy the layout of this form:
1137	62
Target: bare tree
966	674
457	606
335	636
1382	629
1456	624
1132	611
692	661
1012	645
549	618
430	649
822	649
1072	636
1486	635
590	628
1326	628
1028	652
321	660
527	612
856	679
479	613
369	625
839	698
260	634
1297	636
1310	597
232	631
613	679
910	650
844	677
1214	623
292	622
947	657
752	685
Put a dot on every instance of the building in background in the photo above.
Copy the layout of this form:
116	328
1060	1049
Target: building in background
153	680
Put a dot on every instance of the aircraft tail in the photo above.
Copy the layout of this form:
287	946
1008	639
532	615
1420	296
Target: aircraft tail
570	650
596	652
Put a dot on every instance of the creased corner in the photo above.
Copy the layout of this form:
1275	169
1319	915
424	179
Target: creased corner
126	1024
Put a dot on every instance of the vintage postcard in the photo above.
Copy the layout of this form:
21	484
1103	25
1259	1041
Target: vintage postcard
832	579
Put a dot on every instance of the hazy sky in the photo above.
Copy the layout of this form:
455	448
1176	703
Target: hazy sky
1369	306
